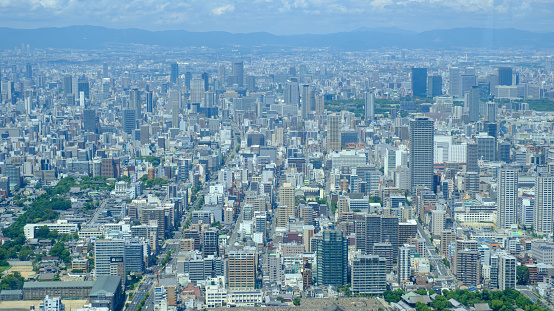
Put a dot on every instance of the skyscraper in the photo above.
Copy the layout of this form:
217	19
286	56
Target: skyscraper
287	206
306	102
67	84
196	91
174	73
238	73
135	103
333	133
473	98
468	269
543	211
89	120
28	71
105	70
369	274
332	259
175	105
292	95
421	152
434	86
455	82
369	106
129	120
404	266
241	269
507	198
419	82
149	102
206	79
507	272
103	251
505	76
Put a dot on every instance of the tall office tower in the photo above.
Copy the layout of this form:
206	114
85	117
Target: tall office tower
434	86
369	274
405	254
105	70
221	73
468	81
135	103
373	229
292	95
196	91
468	269
419	82
241	269
287	206
149	102
447	236
492	110
473	99
369	106
134	255
333	133
421	152
14	175
90	122
332	259
507	198
67	84
206	79
507	267
210	243
174	99
28	71
129	120
83	86
543	211
188	78
174	73
319	105
104	250
306	102
238	73
251	83
158	215
455	88
144	134
486	147
484	89
505	76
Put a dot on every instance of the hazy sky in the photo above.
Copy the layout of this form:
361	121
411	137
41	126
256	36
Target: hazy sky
279	16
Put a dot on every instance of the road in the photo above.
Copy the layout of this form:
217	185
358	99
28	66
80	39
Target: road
144	287
434	258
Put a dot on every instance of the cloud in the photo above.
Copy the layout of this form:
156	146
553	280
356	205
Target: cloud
223	9
279	16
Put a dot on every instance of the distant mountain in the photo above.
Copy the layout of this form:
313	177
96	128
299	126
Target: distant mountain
94	37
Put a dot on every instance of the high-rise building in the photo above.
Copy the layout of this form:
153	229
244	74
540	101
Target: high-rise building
129	120
468	81
292	95
90	122
238	73
206	79
543	210
472	157
188	78
83	86
492	110
14	174
468	269
144	134
135	103
486	147
332	259
473	99
241	269
287	206
174	73
421	152
67	84
105	70
149	102
369	106
405	254
369	274
455	88
434	86
104	250
507	198
210	243
196	91
507	272
306	102
28	71
505	76
333	133
419	82
134	255
175	105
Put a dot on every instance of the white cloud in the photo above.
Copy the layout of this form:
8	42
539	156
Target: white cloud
223	9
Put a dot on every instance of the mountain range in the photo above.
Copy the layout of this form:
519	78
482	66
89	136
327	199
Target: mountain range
95	37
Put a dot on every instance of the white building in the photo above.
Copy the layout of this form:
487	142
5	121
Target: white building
61	226
216	294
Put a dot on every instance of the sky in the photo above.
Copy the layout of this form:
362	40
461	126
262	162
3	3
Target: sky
280	16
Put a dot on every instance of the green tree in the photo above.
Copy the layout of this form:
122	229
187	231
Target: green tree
522	273
496	304
280	299
296	301
422	291
12	281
